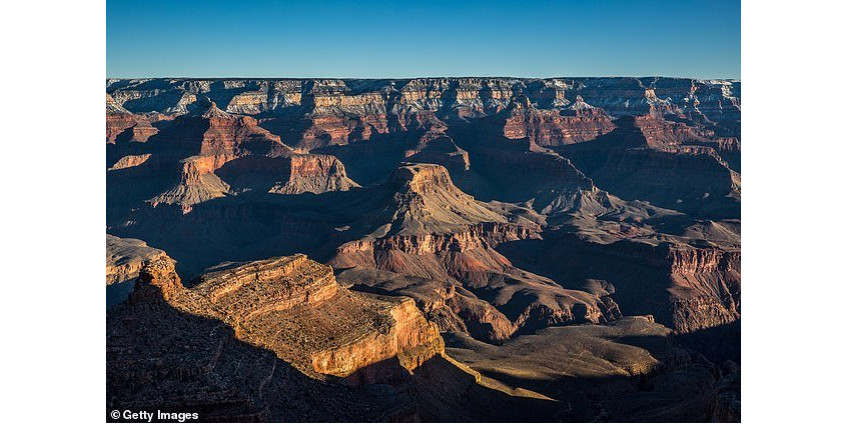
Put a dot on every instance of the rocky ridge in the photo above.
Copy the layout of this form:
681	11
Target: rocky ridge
124	260
502	209
439	233
298	335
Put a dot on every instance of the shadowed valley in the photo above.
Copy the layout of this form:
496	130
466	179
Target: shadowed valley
436	249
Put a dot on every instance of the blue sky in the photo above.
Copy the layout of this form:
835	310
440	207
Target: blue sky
402	39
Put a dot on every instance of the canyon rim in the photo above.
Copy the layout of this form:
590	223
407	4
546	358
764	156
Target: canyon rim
457	249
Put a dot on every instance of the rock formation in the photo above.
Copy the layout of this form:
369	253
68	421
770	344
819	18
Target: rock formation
504	215
294	307
124	259
314	174
687	284
122	125
448	304
305	343
434	230
208	153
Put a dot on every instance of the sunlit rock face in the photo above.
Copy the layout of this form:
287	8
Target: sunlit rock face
438	249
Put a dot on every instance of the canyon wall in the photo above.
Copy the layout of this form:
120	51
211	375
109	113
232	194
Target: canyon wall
488	215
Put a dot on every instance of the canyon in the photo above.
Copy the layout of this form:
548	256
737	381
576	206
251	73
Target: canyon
431	249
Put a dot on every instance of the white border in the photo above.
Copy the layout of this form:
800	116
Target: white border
794	230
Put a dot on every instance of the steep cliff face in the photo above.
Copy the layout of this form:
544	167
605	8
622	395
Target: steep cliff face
660	133
314	174
205	129
345	110
122	125
198	183
412	341
498	207
706	287
294	307
684	287
515	139
430	226
124	260
562	147
683	118
279	340
208	153
578	123
339	116
126	127
229	136
168	348
438	232
638	161
715	103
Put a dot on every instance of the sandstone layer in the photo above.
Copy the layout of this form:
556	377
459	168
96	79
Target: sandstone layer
279	340
124	260
294	307
526	221
435	231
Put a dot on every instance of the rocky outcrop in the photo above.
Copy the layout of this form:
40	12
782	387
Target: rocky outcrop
288	174
428	215
128	128
449	305
198	183
124	260
129	161
684	287
207	153
438	232
124	126
714	277
498	207
347	110
576	124
228	136
279	340
438	148
294	307
314	174
172	348
550	113
635	162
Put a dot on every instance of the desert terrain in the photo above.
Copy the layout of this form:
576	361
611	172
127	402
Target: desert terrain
433	249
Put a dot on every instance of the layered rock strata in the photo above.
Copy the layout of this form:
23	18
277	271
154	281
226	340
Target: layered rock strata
279	340
438	232
124	260
502	208
294	307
